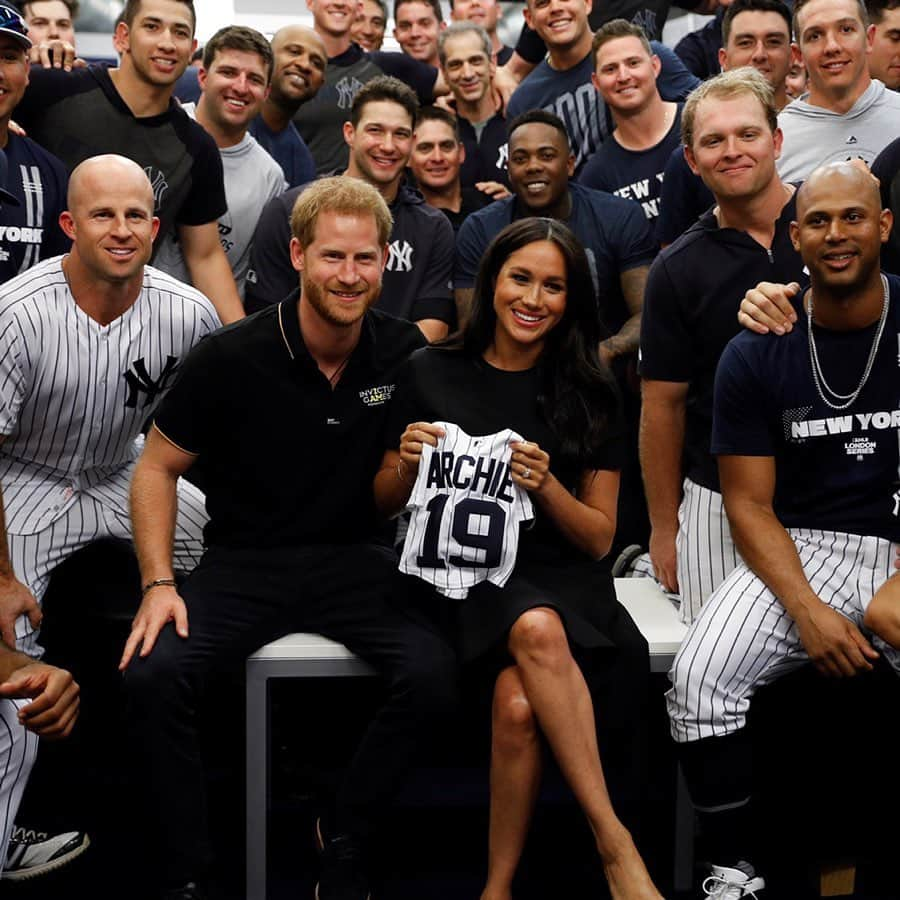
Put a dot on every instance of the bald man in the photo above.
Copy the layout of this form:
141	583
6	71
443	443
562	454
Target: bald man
298	73
806	430
90	343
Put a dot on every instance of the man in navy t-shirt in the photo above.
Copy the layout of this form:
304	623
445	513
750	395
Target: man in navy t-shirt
297	76
562	83
615	233
631	161
806	429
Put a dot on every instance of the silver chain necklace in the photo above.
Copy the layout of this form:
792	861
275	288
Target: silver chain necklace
817	373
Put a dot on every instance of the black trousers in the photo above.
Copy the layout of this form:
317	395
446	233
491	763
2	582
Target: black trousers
239	600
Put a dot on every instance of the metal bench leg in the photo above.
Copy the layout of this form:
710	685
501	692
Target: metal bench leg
257	778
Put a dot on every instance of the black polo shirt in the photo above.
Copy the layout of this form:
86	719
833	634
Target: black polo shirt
287	460
693	294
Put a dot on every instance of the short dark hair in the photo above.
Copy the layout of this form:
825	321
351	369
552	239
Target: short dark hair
384	87
434	4
799	4
739	6
877	8
542	117
438	114
132	7
577	395
382	5
71	5
618	28
238	37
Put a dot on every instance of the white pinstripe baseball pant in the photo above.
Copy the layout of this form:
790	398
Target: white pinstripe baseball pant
98	513
18	751
33	557
744	638
705	552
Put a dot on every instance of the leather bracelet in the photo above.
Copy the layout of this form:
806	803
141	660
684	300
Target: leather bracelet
158	582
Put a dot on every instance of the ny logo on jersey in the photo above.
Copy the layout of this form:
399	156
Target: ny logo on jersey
502	157
400	259
348	87
158	183
139	380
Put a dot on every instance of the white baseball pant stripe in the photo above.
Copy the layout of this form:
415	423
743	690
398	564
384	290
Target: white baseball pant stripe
18	751
744	638
35	556
705	552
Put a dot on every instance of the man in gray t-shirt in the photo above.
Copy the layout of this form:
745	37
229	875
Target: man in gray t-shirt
237	67
846	114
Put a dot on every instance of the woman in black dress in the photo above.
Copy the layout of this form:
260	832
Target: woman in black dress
527	360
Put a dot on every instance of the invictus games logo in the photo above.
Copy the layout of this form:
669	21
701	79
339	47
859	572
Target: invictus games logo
158	183
348	87
377	396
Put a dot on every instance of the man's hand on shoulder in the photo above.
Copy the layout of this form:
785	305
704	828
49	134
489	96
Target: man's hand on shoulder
55	54
161	605
54	706
768	307
16	599
493	189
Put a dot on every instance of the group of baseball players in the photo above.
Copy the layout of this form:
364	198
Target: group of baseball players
768	442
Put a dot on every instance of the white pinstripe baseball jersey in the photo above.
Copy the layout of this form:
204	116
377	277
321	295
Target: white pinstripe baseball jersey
465	512
74	394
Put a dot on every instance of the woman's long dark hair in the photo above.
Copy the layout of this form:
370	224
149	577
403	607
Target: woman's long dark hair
578	394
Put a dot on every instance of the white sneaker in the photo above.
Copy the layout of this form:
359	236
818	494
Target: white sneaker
33	853
731	884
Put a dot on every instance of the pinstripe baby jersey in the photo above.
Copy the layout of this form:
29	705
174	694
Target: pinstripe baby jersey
75	394
465	512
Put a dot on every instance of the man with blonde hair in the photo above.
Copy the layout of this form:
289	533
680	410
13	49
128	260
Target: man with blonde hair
292	545
731	140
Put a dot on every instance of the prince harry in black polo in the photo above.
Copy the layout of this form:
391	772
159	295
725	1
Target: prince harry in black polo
286	412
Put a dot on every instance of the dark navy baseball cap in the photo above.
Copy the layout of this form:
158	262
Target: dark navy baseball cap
5	196
12	23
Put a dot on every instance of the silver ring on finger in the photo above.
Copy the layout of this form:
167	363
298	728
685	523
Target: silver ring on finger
526	472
